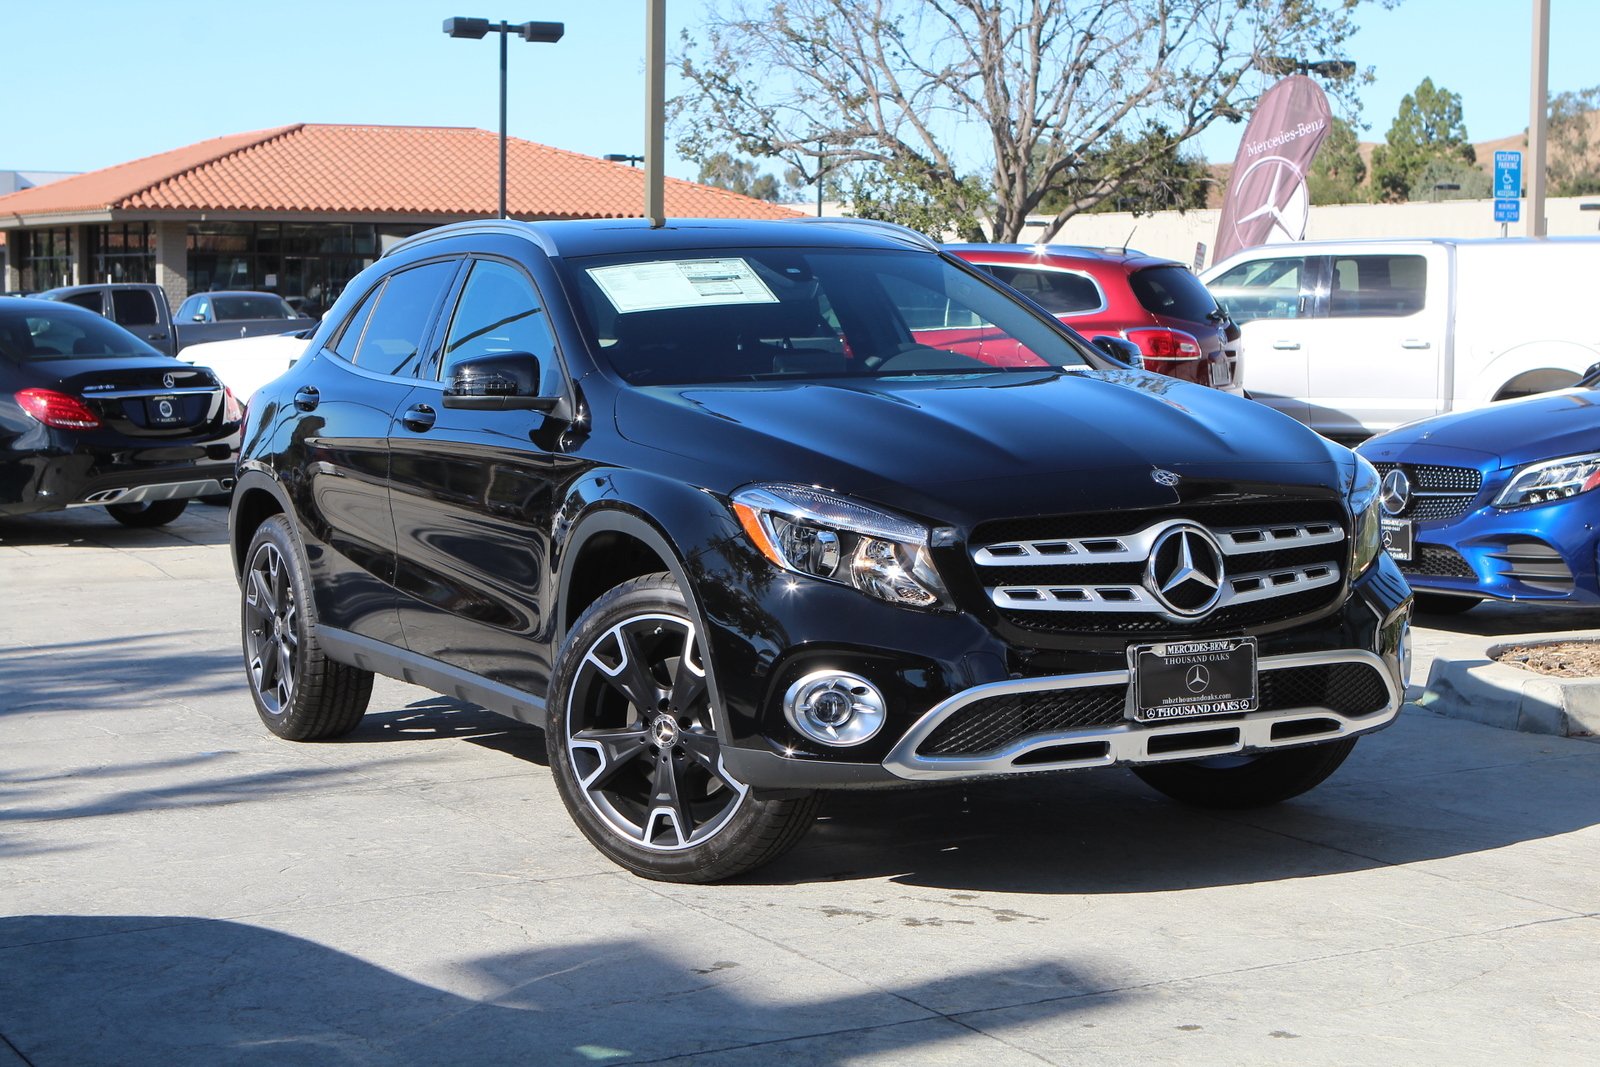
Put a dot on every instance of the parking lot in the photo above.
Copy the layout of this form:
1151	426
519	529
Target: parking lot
179	887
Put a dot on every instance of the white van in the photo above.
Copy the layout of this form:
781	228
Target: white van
1357	337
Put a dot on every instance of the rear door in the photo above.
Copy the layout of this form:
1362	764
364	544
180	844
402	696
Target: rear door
1275	298
136	311
1378	353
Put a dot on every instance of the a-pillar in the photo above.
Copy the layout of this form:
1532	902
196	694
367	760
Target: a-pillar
172	260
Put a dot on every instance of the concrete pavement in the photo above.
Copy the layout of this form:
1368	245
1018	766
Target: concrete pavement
179	887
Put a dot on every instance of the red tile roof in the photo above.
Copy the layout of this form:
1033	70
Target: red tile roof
425	171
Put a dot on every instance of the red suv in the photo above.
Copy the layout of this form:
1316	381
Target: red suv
1155	303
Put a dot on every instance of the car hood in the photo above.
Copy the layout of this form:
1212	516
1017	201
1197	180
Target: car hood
962	449
1510	433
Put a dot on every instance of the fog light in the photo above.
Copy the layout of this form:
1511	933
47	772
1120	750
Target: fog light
834	708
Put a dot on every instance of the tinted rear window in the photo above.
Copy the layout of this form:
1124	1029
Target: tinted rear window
1174	292
1058	292
263	306
64	332
134	307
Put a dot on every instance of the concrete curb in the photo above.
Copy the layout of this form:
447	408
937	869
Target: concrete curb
1483	690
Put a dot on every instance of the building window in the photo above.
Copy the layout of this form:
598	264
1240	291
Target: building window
306	263
123	252
46	258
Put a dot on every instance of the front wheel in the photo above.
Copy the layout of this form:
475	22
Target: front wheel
633	743
1247	781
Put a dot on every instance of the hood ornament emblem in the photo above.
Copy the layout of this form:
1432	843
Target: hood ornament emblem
1163	477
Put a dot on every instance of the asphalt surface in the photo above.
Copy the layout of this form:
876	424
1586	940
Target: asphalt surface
179	887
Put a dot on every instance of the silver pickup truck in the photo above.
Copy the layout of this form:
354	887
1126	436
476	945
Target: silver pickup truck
142	309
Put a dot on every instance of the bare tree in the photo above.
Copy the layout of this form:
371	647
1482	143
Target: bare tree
1037	85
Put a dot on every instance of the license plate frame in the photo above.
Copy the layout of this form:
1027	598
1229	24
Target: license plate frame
153	414
1399	538
1174	681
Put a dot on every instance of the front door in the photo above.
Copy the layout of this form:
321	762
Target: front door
1274	299
475	493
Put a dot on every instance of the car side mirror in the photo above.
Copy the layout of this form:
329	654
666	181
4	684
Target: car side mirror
1120	349
198	318
507	381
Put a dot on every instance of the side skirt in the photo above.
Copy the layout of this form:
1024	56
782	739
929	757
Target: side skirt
442	678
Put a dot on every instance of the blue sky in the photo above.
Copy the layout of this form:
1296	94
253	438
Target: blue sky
90	83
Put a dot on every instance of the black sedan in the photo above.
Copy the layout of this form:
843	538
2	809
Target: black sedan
91	415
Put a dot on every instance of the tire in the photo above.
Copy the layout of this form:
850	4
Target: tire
300	693
151	513
1247	781
1440	604
634	748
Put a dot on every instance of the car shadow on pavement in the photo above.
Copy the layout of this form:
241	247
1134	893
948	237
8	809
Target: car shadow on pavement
1495	619
93	528
116	673
174	990
433	718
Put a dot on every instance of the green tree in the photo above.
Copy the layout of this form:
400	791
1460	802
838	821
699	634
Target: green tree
1427	127
741	176
1167	180
1338	173
911	193
1573	165
907	88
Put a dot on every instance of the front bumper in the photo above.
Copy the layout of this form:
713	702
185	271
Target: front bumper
935	667
1544	553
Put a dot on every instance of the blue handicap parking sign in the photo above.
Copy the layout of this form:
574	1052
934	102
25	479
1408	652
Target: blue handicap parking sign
1507	177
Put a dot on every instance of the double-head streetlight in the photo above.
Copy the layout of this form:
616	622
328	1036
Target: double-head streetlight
622	157
477	29
1327	68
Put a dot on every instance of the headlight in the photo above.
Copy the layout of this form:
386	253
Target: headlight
815	533
1364	486
1556	479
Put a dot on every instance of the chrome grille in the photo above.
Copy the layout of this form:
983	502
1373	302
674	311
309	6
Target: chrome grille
1439	494
1086	573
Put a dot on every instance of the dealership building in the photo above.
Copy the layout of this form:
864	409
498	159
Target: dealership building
299	210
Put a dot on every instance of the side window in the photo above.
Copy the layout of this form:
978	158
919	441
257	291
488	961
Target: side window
349	336
1058	292
86	300
499	311
1265	289
1377	286
134	307
393	337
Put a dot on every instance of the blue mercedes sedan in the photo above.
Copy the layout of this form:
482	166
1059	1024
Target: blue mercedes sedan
1497	502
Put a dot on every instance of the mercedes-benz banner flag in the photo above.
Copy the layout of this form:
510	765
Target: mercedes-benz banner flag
1267	200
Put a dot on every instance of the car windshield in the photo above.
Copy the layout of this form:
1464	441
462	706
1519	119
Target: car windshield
748	314
64	332
251	306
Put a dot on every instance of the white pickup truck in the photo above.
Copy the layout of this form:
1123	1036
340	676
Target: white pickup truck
1357	337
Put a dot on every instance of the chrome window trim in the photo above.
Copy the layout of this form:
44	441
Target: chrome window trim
1129	742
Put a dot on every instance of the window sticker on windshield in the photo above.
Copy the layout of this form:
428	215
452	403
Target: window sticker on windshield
681	283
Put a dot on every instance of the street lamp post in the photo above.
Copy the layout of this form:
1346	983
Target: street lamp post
476	30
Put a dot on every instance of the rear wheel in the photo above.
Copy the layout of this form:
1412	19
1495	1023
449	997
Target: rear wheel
299	692
633	743
149	513
1247	781
1440	604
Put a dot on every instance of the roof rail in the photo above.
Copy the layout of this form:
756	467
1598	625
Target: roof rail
509	227
901	233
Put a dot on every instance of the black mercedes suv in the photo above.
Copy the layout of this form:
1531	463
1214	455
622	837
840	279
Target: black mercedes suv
739	512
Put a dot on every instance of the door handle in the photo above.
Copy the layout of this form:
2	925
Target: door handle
419	418
307	398
1412	342
1286	346
155	337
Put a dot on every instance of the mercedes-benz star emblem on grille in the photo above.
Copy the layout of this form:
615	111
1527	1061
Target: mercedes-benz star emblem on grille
1185	571
1197	679
1395	496
168	381
1165	477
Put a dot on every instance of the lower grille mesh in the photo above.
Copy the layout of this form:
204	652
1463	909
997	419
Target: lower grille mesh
991	724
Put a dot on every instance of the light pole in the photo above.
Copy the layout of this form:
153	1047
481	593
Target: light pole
477	29
622	157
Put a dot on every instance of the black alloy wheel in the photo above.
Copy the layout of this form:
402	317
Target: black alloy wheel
299	692
634	745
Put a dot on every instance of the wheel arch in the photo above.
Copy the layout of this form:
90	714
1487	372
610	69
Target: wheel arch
609	546
256	498
1534	367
